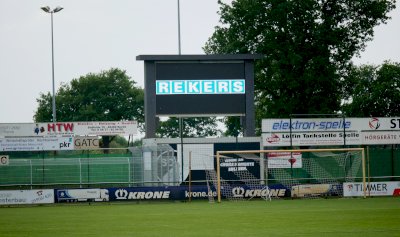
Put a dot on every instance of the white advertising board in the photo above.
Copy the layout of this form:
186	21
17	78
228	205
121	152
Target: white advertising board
68	129
106	128
330	131
86	142
39	196
373	189
330	124
310	139
380	137
284	160
36	144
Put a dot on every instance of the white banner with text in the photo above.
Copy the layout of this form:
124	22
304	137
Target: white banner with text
92	128
330	131
38	196
373	189
37	144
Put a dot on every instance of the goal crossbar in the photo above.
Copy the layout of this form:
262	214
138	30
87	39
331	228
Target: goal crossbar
221	154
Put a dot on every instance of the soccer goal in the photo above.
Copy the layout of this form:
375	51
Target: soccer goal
296	173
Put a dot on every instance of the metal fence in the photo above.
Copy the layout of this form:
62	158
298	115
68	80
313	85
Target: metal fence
137	166
151	166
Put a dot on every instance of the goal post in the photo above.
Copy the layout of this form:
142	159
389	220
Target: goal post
304	170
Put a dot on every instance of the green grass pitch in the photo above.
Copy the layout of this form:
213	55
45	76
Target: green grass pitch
375	217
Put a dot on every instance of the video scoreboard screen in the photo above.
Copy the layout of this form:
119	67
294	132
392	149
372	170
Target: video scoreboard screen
198	88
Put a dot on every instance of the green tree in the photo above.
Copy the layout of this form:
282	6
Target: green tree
106	96
307	47
192	127
373	91
117	142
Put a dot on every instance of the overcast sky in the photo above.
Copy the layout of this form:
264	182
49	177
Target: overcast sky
95	35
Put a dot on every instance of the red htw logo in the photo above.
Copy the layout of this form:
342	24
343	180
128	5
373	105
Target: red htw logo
60	127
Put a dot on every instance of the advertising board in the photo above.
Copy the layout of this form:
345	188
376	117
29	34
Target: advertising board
208	87
103	128
199	86
316	190
38	196
37	144
284	160
86	142
380	137
82	195
92	128
373	189
215	88
195	192
310	139
330	131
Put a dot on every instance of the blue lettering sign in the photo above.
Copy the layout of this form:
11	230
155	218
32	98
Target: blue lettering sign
300	125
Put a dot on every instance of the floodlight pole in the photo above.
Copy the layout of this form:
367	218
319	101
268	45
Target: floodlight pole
179	28
180	52
48	10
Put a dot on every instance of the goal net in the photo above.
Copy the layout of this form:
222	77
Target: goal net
301	173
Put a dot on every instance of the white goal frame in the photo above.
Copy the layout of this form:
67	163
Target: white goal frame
221	154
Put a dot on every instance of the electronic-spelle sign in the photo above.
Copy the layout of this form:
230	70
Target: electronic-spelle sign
331	131
199	86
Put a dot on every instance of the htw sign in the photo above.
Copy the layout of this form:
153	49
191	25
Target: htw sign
60	127
54	129
92	128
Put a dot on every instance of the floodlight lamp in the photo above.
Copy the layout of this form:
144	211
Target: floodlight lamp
46	9
57	9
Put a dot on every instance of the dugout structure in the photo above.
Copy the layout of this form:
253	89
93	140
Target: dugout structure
318	172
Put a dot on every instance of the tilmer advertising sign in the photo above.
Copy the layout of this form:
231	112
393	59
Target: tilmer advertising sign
373	189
